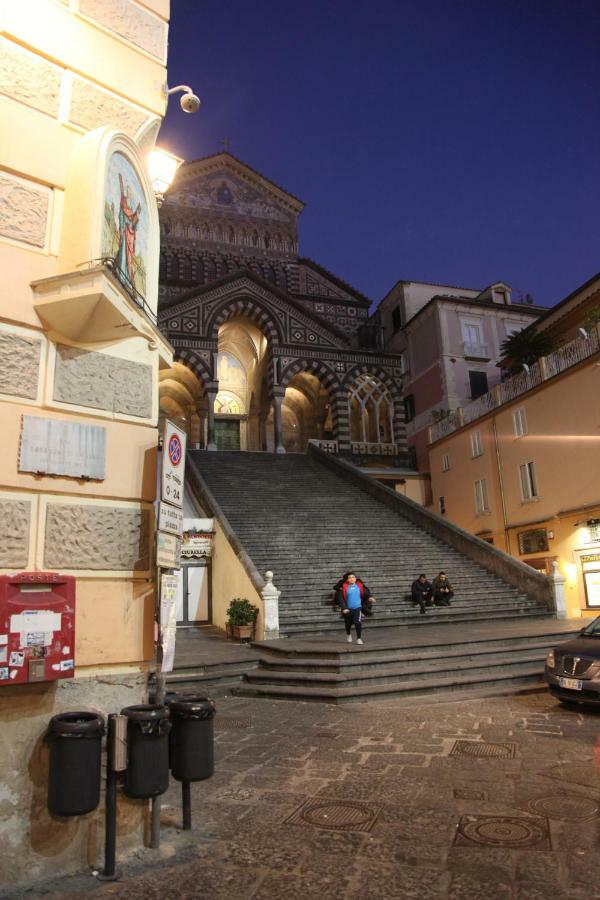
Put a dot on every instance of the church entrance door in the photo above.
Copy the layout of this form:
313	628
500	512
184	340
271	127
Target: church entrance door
227	434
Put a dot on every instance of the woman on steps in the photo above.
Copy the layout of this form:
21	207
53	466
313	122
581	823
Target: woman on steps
355	602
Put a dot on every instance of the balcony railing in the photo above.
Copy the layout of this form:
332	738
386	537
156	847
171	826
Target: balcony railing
547	367
475	351
366	448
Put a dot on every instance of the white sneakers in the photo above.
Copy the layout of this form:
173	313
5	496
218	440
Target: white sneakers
349	638
359	641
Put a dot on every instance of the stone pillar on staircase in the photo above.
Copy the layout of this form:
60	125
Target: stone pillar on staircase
557	580
270	596
277	426
211	395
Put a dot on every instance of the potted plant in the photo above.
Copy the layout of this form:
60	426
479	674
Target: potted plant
241	618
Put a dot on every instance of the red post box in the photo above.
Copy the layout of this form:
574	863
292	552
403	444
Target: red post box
37	627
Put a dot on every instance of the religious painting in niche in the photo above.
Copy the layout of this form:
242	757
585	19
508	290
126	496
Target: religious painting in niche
126	223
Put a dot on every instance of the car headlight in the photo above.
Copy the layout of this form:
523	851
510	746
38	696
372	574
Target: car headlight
550	659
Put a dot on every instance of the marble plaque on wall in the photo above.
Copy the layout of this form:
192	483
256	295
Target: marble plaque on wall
56	447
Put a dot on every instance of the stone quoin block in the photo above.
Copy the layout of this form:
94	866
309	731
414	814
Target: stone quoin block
91	108
29	79
19	365
86	536
23	211
88	378
15	516
130	22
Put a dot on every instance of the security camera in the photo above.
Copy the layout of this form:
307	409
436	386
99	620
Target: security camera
189	102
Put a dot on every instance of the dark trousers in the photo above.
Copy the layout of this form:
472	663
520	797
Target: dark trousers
443	598
353	617
423	598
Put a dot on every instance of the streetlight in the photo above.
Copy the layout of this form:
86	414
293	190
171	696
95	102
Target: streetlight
162	166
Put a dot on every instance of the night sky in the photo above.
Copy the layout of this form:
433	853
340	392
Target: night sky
431	140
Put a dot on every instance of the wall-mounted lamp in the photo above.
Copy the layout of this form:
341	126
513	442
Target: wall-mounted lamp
162	167
583	333
190	103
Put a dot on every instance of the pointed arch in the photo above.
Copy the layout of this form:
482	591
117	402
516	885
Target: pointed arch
199	366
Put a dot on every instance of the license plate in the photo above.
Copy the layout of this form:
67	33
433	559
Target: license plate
573	684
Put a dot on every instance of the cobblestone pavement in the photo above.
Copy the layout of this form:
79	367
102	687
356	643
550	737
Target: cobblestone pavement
495	798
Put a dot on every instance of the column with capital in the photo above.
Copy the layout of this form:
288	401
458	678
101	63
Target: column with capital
211	396
277	427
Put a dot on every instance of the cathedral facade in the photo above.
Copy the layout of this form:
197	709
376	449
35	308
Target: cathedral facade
271	349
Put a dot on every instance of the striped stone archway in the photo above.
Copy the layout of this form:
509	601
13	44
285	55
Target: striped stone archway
250	308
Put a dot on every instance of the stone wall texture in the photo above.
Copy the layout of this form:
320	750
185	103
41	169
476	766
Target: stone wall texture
15	517
92	108
130	22
87	378
107	538
19	365
29	79
36	845
23	211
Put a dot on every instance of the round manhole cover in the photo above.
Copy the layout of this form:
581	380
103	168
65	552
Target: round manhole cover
572	809
337	815
505	832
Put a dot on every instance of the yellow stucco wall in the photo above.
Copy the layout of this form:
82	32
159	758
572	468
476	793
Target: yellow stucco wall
563	442
230	580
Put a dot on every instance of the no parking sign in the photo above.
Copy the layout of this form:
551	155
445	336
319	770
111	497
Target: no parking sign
173	464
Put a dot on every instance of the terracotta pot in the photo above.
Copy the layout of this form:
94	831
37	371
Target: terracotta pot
242	632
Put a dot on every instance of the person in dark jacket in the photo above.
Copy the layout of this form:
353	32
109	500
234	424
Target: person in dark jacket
421	592
355	602
442	590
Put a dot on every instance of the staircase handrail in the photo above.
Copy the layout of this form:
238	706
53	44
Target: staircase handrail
536	585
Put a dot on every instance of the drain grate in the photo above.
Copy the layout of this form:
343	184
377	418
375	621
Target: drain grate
570	809
469	794
335	815
483	750
512	832
223	724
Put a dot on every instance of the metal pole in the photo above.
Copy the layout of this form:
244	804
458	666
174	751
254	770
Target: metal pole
110	841
186	805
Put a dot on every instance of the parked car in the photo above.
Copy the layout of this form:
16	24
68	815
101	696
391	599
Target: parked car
573	668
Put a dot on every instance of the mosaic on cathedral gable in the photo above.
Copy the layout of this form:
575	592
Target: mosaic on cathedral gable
221	191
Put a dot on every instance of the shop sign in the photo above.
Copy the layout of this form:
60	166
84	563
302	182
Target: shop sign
170	519
168	551
592	587
196	544
173	464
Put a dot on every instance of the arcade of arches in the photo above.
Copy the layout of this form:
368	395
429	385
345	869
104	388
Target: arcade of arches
250	412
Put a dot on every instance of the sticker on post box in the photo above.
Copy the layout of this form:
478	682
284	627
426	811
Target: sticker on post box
3	639
3	673
17	658
66	664
3	652
14	673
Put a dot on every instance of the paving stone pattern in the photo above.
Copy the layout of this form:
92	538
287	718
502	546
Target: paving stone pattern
367	801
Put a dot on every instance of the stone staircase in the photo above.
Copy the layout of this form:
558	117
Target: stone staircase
465	662
309	523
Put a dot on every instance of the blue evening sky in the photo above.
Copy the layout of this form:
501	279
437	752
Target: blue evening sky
452	141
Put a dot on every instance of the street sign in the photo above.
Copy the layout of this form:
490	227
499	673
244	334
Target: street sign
173	464
168	551
170	519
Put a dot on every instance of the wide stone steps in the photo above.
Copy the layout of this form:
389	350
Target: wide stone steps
308	524
524	676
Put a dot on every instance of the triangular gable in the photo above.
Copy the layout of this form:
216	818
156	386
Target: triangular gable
224	183
191	313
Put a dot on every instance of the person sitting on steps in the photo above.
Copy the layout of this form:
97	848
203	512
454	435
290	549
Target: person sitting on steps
421	592
355	602
442	590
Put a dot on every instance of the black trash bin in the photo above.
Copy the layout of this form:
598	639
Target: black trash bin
75	743
147	773
191	742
